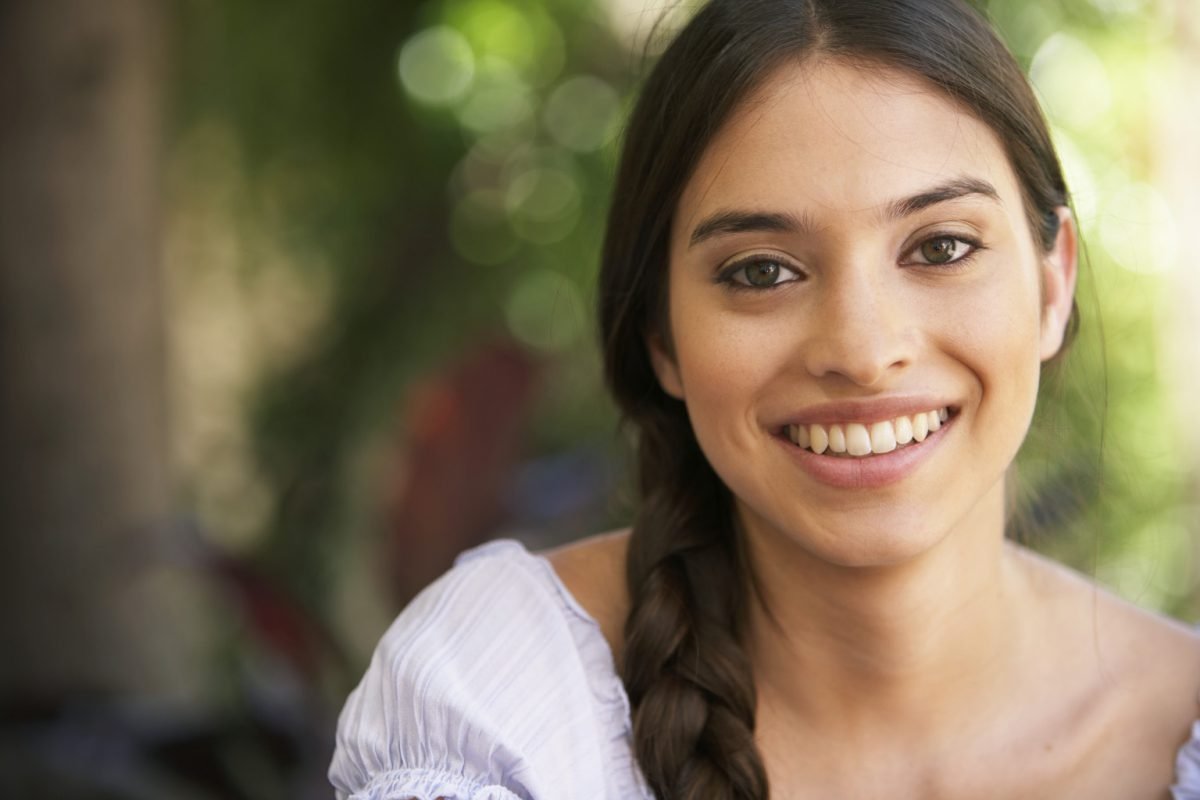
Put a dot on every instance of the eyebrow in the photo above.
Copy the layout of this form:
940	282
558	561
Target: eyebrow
727	221
952	190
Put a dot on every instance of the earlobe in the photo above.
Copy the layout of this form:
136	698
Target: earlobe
665	368
1059	269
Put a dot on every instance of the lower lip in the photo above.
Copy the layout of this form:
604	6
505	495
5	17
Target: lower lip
866	472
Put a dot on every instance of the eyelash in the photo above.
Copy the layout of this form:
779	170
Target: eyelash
726	276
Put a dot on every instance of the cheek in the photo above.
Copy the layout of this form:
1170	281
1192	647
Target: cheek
994	330
725	361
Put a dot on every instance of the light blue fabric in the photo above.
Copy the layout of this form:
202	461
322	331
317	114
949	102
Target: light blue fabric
493	677
1187	769
495	684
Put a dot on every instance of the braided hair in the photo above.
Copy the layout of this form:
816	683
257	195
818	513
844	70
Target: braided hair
684	665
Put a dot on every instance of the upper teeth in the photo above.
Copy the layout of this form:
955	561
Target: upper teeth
860	439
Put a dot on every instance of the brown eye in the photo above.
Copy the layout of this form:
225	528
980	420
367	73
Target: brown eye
759	272
941	250
763	273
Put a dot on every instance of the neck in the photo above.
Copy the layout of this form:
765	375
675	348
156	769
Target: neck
878	651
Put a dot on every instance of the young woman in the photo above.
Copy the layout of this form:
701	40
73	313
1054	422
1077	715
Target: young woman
839	253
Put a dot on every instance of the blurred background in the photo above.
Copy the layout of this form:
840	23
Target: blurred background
295	305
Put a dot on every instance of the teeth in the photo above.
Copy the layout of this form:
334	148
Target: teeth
800	436
858	439
883	437
819	439
920	423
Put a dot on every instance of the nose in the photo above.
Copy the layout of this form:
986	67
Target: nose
860	329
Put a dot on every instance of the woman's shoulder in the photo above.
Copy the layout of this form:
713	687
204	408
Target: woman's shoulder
1158	671
502	606
493	675
1137	671
593	572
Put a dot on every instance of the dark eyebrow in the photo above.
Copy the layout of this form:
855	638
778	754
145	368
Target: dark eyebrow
725	222
952	190
728	221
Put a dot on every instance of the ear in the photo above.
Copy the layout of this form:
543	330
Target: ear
665	368
1059	269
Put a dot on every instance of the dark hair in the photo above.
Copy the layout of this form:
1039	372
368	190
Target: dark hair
687	675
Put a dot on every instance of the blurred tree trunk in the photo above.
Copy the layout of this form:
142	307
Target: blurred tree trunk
84	488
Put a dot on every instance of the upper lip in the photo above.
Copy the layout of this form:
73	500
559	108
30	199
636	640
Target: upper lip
866	411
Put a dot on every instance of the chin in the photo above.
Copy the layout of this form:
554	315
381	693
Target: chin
876	549
853	542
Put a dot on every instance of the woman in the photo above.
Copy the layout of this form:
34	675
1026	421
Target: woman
839	253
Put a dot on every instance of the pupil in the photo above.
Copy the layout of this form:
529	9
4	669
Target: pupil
939	251
763	274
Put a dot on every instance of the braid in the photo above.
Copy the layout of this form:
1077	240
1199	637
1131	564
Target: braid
688	678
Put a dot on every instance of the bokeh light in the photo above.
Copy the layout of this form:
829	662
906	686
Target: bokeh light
499	99
581	113
546	310
1072	81
437	65
1138	229
543	204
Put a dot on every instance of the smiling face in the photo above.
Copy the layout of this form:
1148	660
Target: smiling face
850	265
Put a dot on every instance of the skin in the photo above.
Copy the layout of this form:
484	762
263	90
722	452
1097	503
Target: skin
895	620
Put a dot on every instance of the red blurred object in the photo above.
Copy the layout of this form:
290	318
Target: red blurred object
275	618
463	434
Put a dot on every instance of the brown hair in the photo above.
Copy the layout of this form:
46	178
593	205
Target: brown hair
687	675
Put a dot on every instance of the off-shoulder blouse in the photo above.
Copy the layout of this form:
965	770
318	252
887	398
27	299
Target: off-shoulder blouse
495	684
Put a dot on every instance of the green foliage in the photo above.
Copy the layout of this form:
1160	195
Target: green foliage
441	214
441	168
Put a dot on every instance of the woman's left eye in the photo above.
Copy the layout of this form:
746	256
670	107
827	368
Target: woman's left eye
942	250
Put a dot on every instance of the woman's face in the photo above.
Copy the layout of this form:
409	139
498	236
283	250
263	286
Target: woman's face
851	263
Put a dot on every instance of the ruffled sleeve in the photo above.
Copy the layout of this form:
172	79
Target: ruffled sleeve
1187	769
476	692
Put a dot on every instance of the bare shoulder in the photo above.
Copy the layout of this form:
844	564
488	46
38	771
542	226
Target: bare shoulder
1144	667
593	570
1158	657
1154	670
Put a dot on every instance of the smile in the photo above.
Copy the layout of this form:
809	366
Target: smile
858	440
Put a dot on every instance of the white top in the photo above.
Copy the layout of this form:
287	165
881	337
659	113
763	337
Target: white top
495	684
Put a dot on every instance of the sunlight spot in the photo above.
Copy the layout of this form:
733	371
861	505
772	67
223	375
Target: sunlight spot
436	66
1072	81
1137	228
582	113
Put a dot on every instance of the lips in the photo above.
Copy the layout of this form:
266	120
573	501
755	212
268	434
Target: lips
864	439
867	445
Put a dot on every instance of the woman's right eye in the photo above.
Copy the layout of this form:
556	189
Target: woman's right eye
758	272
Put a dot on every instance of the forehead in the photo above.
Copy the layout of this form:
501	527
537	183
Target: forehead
832	138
